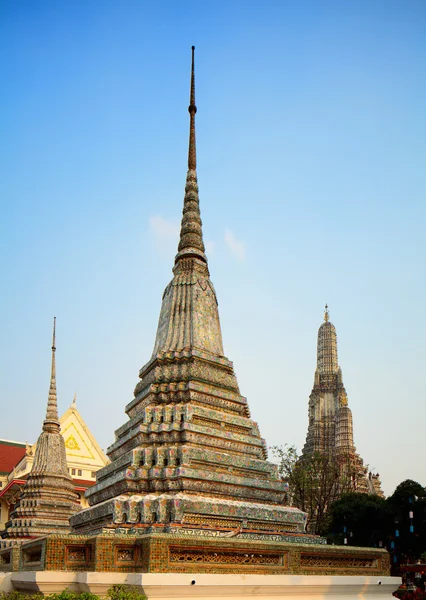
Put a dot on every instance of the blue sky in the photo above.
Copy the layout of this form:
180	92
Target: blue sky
311	140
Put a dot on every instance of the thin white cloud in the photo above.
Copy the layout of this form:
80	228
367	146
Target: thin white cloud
163	229
210	246
237	248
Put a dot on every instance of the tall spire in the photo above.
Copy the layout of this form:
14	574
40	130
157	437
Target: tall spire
189	391
189	316
51	423
48	499
191	236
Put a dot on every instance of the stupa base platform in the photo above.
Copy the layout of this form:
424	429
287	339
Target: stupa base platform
195	586
192	552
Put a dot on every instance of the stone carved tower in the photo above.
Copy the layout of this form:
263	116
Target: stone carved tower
189	456
330	428
48	499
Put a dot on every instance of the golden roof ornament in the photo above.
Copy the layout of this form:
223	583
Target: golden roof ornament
326	314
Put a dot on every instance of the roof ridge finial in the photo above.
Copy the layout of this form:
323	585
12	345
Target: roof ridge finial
326	314
51	423
74	401
191	243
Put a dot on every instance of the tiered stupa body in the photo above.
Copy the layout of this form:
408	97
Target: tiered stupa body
330	429
48	499
189	455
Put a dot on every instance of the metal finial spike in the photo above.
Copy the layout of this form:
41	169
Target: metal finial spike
53	375
54	334
192	106
326	313
192	153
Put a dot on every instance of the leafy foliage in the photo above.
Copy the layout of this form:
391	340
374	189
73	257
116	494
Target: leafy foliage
363	519
374	521
68	595
15	595
314	482
125	592
409	496
117	592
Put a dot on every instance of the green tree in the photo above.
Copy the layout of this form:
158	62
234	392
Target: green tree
408	534
314	483
361	519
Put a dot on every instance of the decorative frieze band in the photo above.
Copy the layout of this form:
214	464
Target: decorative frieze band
225	557
326	561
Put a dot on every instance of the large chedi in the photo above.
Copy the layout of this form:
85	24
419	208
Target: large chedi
189	456
189	489
48	499
330	429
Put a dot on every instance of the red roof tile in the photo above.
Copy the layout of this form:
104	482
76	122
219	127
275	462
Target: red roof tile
83	482
12	485
10	454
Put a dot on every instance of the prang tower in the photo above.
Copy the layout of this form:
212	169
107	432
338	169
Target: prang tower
48	499
330	429
189	456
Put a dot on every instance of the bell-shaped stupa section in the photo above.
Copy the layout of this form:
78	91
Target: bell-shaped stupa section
189	456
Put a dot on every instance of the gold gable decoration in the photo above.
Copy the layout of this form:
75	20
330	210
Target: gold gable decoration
77	442
72	444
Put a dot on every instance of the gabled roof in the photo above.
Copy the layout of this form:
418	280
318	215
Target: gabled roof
80	444
10	454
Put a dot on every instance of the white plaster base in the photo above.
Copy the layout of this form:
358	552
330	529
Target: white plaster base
226	587
6	582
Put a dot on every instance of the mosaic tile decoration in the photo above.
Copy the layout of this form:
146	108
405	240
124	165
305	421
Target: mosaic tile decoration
165	553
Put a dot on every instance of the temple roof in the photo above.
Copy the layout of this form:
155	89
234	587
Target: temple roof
10	454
